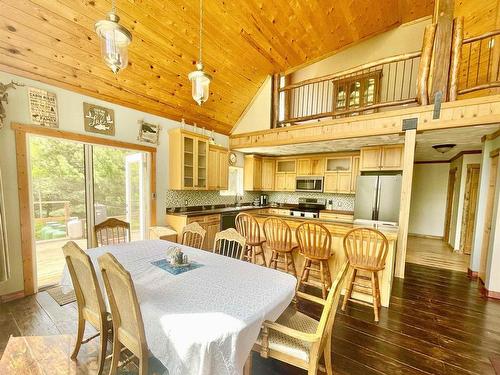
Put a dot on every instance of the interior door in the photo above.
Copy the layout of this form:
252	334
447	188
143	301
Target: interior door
470	204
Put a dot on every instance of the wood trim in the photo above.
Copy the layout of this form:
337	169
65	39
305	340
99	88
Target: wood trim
56	133
494	153
489	293
490	137
433	162
23	179
12	296
450	194
426	236
473	275
462	153
25	221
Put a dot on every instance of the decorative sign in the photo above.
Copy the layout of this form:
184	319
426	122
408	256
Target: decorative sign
148	132
98	119
43	107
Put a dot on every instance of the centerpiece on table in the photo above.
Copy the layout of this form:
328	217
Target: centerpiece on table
178	258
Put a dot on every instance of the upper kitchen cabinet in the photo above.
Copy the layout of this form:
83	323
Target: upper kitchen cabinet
354	173
382	158
188	160
252	174
311	166
268	168
286	171
218	168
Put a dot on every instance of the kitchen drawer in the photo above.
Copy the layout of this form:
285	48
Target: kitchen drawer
335	216
203	218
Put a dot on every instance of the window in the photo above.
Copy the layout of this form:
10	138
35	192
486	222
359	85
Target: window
235	183
356	92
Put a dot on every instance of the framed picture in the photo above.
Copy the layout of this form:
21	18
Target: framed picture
148	132
43	107
98	119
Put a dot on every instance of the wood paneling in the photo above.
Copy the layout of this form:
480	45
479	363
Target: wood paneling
53	41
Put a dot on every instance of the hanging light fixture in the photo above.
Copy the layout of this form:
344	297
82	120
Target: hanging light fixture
199	79
114	40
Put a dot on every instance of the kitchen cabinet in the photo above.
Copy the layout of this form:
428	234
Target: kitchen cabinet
188	160
311	166
338	175
285	175
252	173
211	223
355	172
382	158
268	168
218	168
334	215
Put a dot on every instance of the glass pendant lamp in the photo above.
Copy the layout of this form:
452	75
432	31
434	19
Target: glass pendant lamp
114	40
200	80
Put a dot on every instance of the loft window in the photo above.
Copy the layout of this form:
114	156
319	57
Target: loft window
356	92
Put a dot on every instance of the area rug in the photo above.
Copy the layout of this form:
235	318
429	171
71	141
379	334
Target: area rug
60	297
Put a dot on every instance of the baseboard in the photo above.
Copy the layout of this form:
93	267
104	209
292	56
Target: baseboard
426	236
473	275
12	296
487	293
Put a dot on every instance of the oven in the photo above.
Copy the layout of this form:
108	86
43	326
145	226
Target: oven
309	183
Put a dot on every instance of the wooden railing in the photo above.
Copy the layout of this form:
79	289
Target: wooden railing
479	63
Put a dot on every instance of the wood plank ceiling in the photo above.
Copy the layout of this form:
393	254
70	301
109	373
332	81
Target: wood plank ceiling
53	41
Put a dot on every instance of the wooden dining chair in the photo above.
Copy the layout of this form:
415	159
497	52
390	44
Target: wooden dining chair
279	239
314	242
366	249
193	235
249	228
111	231
300	340
128	326
229	243
90	303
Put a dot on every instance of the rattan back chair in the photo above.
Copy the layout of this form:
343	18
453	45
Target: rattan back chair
230	243
193	235
111	232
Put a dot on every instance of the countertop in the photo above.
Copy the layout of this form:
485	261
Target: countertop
218	209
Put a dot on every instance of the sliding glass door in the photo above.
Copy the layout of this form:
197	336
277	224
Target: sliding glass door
75	186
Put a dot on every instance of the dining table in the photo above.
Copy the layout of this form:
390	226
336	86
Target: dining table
206	319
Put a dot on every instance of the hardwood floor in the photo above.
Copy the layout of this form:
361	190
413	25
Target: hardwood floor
435	253
437	324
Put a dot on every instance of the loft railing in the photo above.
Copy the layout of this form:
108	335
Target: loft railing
479	63
364	89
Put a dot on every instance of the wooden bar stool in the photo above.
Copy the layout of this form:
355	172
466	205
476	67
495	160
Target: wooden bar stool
279	239
366	250
248	227
315	245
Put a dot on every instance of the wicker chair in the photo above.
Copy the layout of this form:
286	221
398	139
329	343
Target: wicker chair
89	300
366	250
315	245
300	340
229	243
193	235
249	228
279	240
111	231
128	326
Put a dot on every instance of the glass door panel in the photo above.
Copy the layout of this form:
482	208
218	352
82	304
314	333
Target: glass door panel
119	187
59	212
202	163
188	162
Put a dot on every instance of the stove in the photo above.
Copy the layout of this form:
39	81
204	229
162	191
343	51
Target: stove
308	208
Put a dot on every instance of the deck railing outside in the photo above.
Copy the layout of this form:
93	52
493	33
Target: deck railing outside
479	63
364	89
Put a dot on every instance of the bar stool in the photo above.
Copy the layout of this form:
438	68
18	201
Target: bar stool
248	227
366	250
279	239
314	242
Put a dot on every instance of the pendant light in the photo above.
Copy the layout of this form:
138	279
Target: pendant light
114	40
199	79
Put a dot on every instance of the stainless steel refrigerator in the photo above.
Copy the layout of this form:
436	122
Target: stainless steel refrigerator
377	198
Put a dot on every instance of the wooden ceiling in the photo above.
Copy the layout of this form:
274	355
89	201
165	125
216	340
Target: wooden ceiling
53	41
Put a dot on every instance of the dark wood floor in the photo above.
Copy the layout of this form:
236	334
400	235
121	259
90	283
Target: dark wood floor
437	324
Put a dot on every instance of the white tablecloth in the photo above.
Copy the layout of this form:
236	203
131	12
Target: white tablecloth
204	321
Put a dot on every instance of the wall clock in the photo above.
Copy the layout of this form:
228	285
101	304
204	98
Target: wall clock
232	158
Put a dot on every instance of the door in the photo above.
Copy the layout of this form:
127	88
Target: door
370	158
213	176
330	183
344	182
354	173
290	181
389	196
449	203
223	170
303	167
268	174
470	204
492	187
188	160
201	164
366	195
392	157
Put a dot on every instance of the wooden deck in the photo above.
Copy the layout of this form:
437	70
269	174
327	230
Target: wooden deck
437	324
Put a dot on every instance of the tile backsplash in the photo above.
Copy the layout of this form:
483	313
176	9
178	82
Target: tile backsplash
177	198
343	202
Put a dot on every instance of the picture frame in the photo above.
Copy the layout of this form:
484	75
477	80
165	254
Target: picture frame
148	133
98	119
43	108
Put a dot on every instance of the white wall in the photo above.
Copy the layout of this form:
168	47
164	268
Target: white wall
428	199
70	110
258	114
